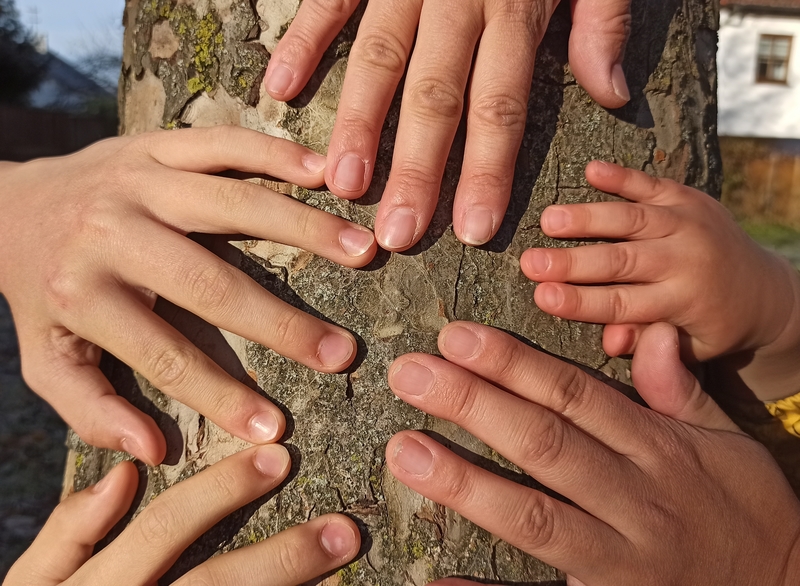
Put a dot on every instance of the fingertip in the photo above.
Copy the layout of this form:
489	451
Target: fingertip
477	226
336	351
272	461
620	85
535	263
279	80
347	175
555	219
340	537
619	339
315	165
549	297
358	244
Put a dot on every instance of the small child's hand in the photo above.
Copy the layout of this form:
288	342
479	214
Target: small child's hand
62	553
682	260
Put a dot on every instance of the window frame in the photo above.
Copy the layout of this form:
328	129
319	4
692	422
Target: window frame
770	61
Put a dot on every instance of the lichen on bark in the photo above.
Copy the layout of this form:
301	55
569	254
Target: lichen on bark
340	423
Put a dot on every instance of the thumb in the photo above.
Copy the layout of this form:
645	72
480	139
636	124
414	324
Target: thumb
68	538
600	30
668	387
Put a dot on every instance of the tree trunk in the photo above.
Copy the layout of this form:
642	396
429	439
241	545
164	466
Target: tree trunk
199	63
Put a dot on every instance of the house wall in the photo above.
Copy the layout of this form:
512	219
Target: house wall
747	108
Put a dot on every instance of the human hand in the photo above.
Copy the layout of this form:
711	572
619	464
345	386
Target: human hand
445	35
683	260
147	548
90	240
676	495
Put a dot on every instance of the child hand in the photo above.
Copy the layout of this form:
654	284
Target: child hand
439	40
682	260
91	239
146	549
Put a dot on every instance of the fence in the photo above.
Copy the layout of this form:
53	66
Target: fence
28	134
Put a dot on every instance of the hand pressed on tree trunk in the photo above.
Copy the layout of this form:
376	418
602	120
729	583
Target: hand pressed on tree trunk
91	239
445	35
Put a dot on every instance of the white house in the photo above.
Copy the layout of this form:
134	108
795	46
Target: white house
759	69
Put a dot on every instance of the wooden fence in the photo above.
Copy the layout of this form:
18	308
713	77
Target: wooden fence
28	134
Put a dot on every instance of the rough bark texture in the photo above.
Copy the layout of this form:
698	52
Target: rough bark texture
199	63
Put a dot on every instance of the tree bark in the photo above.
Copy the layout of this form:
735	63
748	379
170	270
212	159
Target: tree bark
200	63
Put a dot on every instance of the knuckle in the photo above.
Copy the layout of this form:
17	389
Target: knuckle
507	362
637	219
64	288
210	287
233	196
464	401
288	328
223	486
203	576
491	181
415	178
290	559
171	366
500	111
383	52
457	486
569	391
618	304
435	99
623	260
543	445
158	526
534	524
97	221
335	8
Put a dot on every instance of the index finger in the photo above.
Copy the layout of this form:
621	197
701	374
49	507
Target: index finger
151	543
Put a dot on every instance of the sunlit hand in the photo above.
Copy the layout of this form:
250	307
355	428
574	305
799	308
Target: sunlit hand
683	261
446	37
676	495
146	549
89	240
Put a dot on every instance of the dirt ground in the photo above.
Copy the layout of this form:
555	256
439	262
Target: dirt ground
32	453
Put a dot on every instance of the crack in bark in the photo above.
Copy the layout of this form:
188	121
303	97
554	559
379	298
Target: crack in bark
458	280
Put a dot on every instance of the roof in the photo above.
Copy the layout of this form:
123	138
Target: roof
763	5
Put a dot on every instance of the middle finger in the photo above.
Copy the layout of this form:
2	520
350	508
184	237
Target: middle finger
433	102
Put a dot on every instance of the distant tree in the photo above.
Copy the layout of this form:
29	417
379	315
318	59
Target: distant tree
21	65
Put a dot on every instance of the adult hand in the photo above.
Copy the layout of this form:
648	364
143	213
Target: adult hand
677	495
146	549
501	37
89	240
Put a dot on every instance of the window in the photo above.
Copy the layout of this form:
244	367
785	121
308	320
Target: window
773	58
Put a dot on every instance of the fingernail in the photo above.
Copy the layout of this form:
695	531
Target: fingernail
412	378
398	229
314	163
554	219
603	169
337	539
461	342
280	80
355	241
271	461
553	297
134	448
350	173
619	83
413	457
264	427
335	349
478	226
540	261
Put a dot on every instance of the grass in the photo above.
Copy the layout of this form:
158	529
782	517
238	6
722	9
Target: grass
772	235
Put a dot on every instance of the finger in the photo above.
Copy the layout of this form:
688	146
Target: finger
600	30
621	339
217	205
300	50
633	185
144	341
220	148
668	387
191	277
294	556
374	69
609	304
433	100
624	262
154	540
534	438
68	538
594	408
537	524
498	107
611	220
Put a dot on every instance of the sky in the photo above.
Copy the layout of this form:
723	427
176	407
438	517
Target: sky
73	27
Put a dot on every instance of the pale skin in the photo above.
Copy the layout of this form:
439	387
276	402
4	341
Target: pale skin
433	43
103	232
147	548
673	495
682	259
